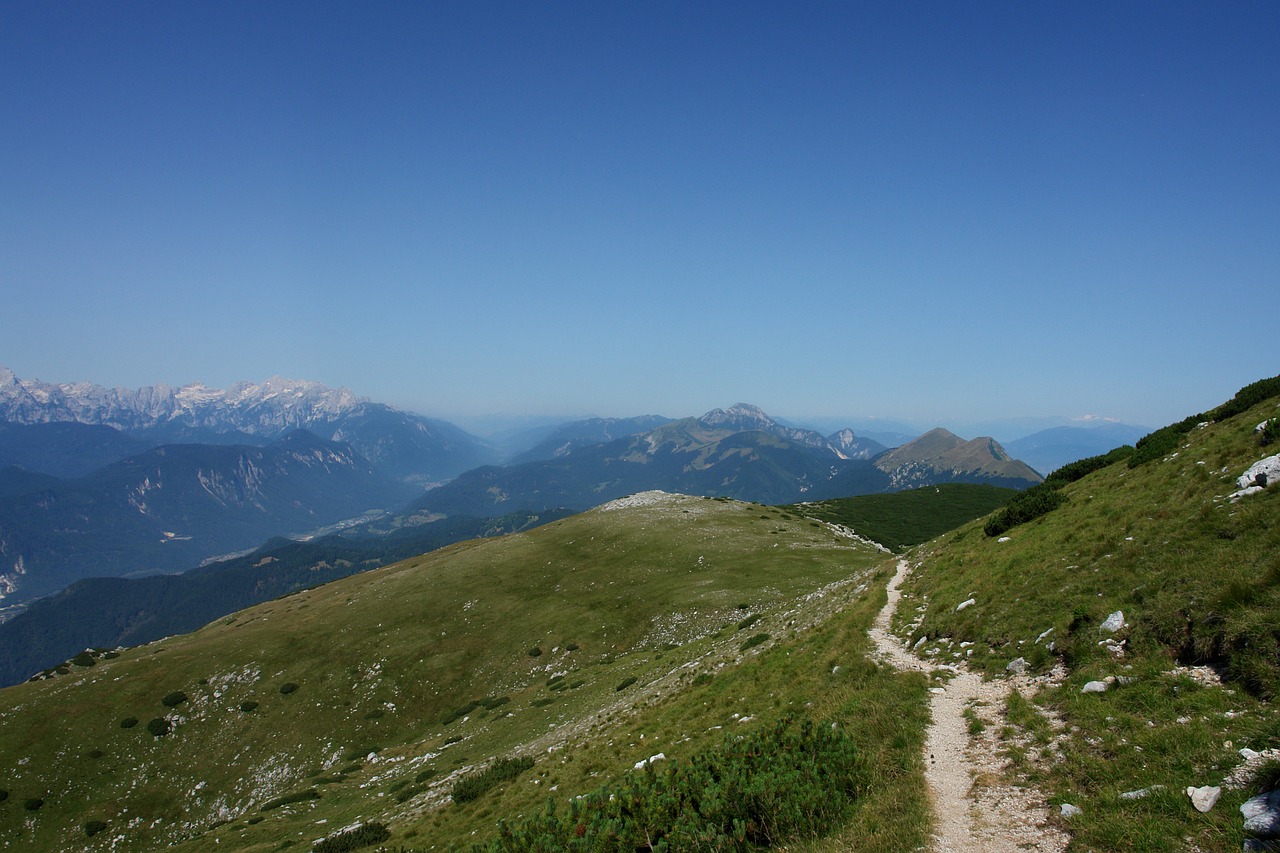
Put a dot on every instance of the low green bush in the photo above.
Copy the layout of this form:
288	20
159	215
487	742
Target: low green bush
1270	433
128	722
535	652
85	658
174	699
248	706
749	621
783	782
93	827
33	804
366	835
753	640
159	727
472	787
1023	507
625	683
289	799
288	687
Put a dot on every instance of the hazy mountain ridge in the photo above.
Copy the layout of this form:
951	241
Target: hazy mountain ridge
741	453
567	438
174	505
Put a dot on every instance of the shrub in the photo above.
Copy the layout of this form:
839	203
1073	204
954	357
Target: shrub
159	727
93	827
85	658
535	652
1077	470
353	839
625	683
472	787
4	795
753	640
248	706
174	699
1024	507
749	621
781	782
128	722
33	804
1271	432
289	799
288	687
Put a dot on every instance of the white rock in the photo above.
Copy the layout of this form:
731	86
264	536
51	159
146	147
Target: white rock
1005	539
1070	811
966	603
1017	666
1204	798
1094	687
1045	634
1261	473
1113	623
1141	793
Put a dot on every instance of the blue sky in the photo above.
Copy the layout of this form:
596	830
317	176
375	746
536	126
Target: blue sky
930	211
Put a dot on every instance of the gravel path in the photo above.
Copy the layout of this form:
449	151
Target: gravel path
975	807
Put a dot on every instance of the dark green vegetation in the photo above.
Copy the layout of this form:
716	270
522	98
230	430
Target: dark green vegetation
648	591
365	835
476	785
1197	577
108	612
782	782
902	519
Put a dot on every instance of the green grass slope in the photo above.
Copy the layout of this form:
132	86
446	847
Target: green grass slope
1197	577
649	625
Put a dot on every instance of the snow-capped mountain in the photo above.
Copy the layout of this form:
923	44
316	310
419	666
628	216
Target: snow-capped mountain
402	444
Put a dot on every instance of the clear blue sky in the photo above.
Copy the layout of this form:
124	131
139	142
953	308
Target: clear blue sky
937	210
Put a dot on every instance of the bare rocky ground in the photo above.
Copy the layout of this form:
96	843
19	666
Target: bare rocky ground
977	805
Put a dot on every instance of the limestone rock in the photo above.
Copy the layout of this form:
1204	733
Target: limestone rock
1018	666
1094	687
1113	623
1070	811
966	603
1204	798
1262	814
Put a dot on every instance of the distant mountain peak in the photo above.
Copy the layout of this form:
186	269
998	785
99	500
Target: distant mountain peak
739	416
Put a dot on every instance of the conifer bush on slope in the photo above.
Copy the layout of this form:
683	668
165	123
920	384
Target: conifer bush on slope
782	782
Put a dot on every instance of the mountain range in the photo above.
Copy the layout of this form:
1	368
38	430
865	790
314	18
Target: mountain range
173	506
400	444
738	452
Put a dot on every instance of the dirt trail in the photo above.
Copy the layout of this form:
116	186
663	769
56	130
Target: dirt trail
975	808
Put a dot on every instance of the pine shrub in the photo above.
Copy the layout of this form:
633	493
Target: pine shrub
93	827
288	687
782	782
353	839
289	799
128	722
159	727
174	699
473	787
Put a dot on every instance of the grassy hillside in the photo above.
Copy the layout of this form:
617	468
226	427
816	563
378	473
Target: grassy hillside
1197	577
587	645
